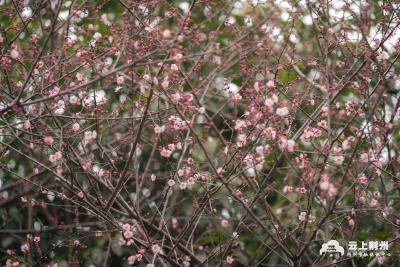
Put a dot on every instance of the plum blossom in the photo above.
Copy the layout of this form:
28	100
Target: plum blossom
48	140
89	136
303	216
156	249
55	157
224	223
165	152
171	183
175	97
159	129
132	259
229	259
282	112
14	54
75	127
25	247
120	80
362	179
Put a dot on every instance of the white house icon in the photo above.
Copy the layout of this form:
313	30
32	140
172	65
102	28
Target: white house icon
332	246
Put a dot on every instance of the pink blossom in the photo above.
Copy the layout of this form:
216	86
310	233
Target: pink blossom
282	112
303	216
159	129
166	153
55	157
25	247
288	189
171	182
165	84
167	34
74	100
27	124
97	36
132	259
128	234
338	160
224	223
175	97
75	127
120	80
89	136
229	259
364	157
156	249
362	179
178	57
14	54
48	140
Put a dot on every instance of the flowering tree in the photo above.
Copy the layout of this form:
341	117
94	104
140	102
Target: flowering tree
201	133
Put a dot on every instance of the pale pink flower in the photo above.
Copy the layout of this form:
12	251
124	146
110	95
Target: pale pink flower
97	36
178	57
288	189
373	203
120	80
132	259
89	136
159	129
80	77
25	247
27	124
174	223
55	91
55	157
362	179
282	112
224	223
174	67
229	259
153	178
165	84
175	97
81	194
338	160
48	140
270	84
171	182
14	54
269	102
236	98
183	185
167	34
75	127
165	152
74	100
364	157
128	234
303	216
156	249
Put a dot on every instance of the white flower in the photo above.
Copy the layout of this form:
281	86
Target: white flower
159	129
281	112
